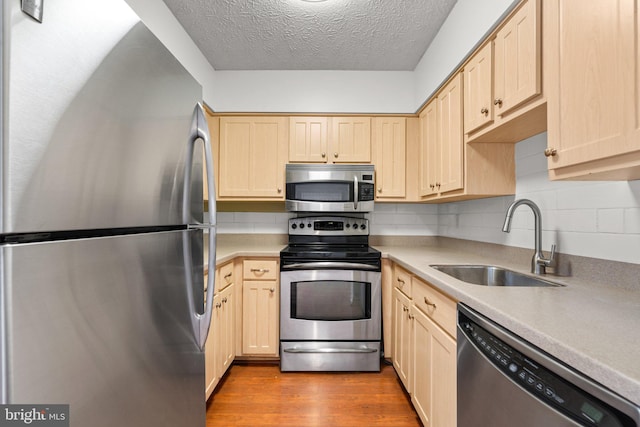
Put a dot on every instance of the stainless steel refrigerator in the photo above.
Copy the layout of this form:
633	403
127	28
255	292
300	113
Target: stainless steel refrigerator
102	232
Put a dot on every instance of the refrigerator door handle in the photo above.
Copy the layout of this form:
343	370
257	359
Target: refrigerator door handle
200	130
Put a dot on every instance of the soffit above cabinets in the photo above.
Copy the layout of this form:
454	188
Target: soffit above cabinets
375	35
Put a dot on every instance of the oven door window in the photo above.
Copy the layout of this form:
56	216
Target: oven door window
330	300
327	191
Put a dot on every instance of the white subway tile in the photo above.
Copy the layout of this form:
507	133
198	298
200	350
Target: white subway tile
610	220
632	220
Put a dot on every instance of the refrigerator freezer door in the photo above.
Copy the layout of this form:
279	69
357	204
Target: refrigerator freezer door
105	325
96	120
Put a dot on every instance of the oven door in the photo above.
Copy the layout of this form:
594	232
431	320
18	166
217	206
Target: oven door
330	305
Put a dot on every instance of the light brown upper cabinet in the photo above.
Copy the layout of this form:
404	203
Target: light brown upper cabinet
308	139
389	156
442	144
451	169
351	141
593	89
330	139
503	81
252	155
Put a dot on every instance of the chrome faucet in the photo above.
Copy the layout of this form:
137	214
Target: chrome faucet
539	263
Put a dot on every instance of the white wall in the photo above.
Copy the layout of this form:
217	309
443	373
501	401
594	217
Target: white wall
467	23
157	16
315	91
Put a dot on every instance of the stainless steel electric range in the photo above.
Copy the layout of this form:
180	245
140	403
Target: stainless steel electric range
330	312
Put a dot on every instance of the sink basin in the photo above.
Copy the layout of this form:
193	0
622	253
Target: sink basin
489	275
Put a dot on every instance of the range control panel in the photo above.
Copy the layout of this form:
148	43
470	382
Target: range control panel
328	226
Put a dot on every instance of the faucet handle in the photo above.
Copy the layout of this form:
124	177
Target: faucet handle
551	260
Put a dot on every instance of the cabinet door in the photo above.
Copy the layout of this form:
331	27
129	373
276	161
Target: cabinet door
389	156
429	151
450	136
478	89
517	59
434	373
227	334
260	318
351	140
209	352
308	139
402	337
593	96
252	157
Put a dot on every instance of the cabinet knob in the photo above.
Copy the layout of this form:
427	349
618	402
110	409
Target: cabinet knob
498	102
411	316
484	111
431	186
550	152
279	190
324	155
379	190
272	290
438	185
335	155
218	305
224	300
226	276
429	303
404	308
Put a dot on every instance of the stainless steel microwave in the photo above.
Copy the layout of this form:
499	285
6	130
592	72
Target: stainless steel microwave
329	188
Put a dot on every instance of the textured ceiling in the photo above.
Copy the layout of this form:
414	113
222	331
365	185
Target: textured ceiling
300	35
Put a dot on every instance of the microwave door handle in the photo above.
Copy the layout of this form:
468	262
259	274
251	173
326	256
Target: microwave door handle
355	193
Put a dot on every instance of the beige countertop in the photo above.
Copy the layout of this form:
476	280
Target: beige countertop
593	327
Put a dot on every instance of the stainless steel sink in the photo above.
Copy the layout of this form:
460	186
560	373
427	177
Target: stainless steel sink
489	275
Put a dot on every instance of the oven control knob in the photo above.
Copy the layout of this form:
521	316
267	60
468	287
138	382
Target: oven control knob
294	226
309	225
301	225
363	226
348	225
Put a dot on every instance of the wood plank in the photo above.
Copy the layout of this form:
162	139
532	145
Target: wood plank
261	395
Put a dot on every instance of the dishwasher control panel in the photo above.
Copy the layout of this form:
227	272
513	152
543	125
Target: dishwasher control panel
541	382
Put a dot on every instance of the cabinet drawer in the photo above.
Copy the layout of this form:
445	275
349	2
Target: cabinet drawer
225	276
402	280
436	305
260	269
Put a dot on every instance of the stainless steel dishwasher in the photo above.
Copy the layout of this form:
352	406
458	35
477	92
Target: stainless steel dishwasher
503	381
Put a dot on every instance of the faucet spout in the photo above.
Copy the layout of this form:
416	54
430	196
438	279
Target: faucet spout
539	262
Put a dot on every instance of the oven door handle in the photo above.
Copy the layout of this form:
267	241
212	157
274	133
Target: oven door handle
330	265
329	350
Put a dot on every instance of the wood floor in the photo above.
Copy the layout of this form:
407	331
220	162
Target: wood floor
261	395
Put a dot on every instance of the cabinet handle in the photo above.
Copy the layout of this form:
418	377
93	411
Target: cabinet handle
550	152
430	304
335	155
272	290
400	281
324	155
484	111
498	102
259	270
279	190
226	276
379	190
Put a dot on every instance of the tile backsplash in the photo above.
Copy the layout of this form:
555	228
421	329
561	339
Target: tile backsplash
591	219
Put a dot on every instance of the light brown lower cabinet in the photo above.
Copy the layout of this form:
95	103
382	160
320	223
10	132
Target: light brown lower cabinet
220	345
434	372
424	348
